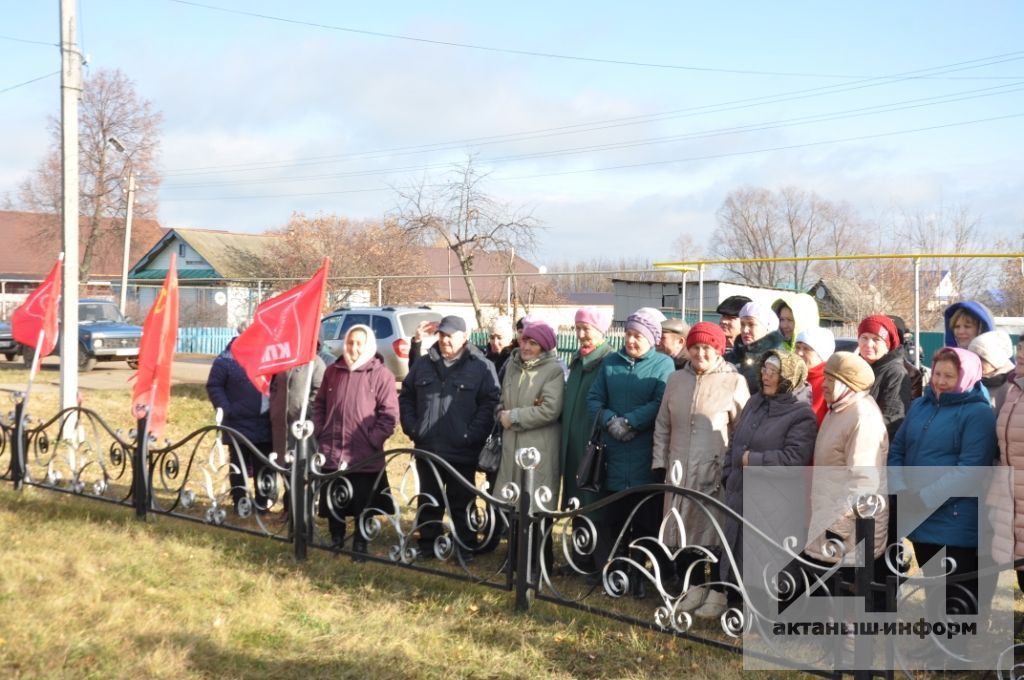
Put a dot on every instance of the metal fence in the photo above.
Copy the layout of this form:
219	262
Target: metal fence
517	538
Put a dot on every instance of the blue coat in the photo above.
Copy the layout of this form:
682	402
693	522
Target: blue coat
230	389
955	430
631	388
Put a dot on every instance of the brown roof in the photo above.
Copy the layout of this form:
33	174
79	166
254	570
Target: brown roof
490	289
32	241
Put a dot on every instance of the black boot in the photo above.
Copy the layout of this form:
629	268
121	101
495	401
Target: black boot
359	549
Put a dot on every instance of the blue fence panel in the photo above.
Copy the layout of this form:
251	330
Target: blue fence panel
208	340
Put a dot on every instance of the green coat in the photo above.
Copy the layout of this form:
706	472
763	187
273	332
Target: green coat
577	421
630	388
534	396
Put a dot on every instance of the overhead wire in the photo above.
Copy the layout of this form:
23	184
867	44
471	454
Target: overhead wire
593	126
624	166
754	127
29	82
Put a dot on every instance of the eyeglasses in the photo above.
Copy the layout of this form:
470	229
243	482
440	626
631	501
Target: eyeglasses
770	370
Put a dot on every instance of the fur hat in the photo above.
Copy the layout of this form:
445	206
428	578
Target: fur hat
540	332
883	327
792	370
851	370
763	313
995	347
820	340
595	317
706	333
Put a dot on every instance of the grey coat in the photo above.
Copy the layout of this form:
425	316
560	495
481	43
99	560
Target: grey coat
286	402
534	396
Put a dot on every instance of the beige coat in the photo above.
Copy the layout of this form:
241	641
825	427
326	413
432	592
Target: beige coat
534	395
850	456
1006	511
692	429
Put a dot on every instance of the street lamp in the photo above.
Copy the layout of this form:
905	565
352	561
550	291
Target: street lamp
120	148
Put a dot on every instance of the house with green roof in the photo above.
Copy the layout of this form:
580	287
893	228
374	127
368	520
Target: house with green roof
215	274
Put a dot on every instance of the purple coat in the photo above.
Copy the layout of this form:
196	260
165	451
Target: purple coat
354	413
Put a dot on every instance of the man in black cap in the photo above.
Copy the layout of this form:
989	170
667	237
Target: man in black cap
729	321
447	407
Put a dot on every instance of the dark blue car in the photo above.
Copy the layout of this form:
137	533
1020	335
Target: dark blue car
103	335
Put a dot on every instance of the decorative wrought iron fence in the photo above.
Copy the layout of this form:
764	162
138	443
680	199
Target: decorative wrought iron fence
417	512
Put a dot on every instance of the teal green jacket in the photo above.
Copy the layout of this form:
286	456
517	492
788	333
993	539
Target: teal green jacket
577	419
631	388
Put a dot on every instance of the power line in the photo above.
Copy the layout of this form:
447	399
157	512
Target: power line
29	42
717	132
505	50
29	82
592	126
628	166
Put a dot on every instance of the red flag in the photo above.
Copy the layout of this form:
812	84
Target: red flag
156	354
35	321
283	332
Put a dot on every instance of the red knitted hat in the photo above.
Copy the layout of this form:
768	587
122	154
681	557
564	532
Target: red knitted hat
883	327
706	333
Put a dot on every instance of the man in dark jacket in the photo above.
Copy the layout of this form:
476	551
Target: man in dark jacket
447	407
729	320
245	409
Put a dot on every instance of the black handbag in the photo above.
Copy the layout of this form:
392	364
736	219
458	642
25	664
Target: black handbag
489	459
590	473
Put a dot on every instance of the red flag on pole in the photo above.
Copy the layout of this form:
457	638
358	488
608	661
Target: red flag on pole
156	354
34	323
283	332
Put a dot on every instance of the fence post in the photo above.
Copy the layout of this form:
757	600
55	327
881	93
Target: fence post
18	446
864	575
300	491
523	531
140	467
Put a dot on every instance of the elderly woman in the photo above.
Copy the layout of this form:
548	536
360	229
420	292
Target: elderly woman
951	425
965	321
702	403
499	342
878	343
591	325
1008	511
532	393
849	459
759	333
795	316
775	428
815	346
995	350
624	400
354	413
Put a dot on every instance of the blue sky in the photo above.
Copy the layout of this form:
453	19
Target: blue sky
297	109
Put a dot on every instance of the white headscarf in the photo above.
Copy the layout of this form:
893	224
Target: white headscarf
369	347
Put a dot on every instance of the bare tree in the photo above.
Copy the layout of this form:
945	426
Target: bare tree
367	250
458	214
110	108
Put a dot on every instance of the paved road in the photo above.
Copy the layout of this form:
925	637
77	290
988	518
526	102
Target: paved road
106	376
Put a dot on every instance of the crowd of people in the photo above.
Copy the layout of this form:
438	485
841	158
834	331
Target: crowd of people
689	406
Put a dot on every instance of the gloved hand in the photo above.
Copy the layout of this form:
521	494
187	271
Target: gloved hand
620	430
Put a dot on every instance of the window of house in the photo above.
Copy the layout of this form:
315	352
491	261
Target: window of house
181	250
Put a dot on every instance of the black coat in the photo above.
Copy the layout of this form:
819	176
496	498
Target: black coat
892	389
449	410
230	389
748	357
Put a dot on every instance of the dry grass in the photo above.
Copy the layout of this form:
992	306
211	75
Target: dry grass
88	591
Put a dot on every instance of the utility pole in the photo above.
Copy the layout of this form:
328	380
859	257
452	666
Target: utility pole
70	90
120	148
